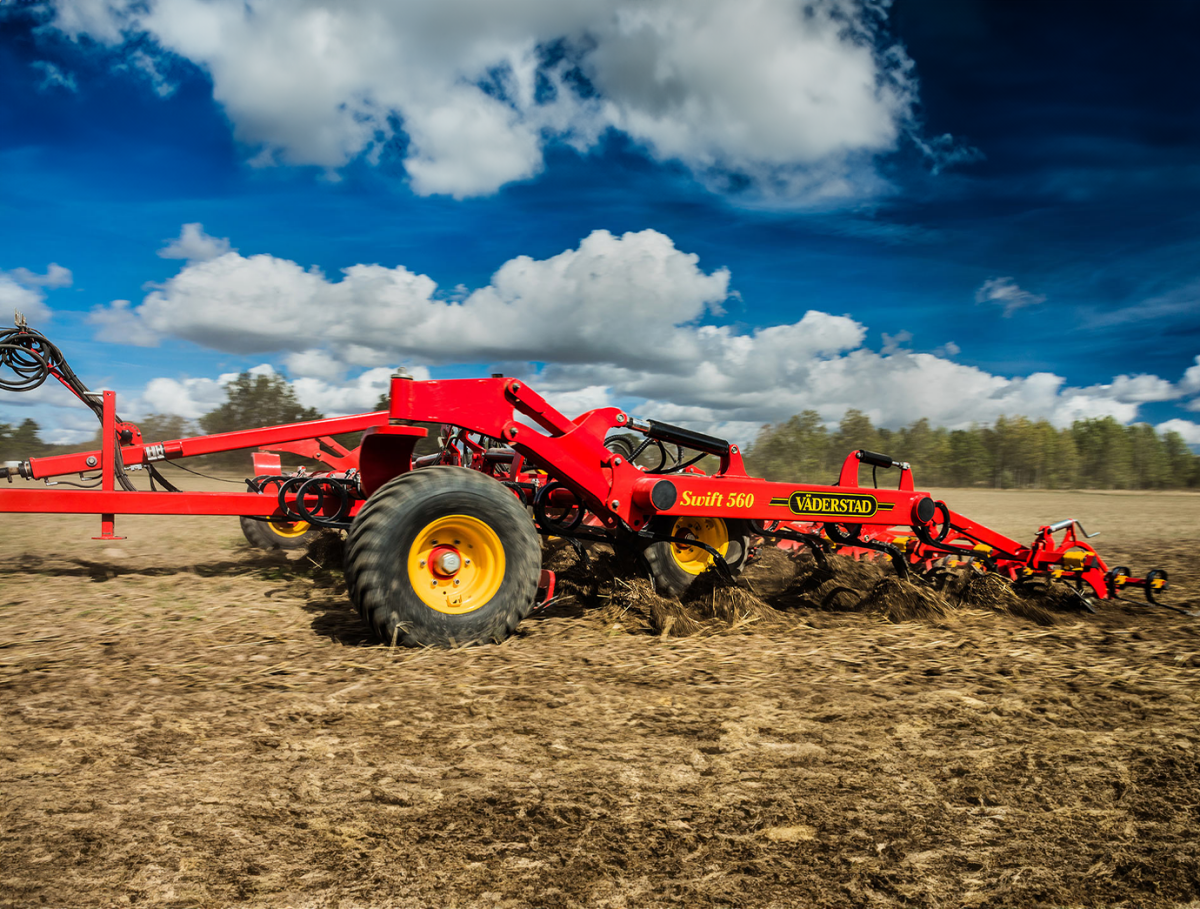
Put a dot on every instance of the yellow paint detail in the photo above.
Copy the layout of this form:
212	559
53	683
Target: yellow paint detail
982	547
714	499
481	571
709	531
289	529
1074	559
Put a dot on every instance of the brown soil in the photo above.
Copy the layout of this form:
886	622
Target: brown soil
188	722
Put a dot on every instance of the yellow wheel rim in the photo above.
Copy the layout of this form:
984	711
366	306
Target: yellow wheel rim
709	531
480	564
289	529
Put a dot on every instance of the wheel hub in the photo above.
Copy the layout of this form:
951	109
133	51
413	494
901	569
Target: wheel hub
445	561
456	564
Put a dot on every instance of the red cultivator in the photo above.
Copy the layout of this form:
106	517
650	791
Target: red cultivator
442	549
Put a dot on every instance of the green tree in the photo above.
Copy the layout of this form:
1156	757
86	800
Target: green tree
969	463
1105	454
794	450
855	431
1062	468
17	443
161	427
1150	461
1181	463
925	448
254	401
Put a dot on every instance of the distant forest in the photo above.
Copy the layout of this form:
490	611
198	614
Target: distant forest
1012	453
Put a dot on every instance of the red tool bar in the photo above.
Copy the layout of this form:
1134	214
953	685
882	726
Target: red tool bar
97	501
748	497
63	465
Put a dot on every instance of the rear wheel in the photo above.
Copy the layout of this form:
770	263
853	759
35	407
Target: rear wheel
277	534
442	556
674	567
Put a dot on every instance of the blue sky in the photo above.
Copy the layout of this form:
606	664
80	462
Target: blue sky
714	213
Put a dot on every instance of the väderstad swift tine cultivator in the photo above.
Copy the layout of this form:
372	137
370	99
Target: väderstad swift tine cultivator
443	550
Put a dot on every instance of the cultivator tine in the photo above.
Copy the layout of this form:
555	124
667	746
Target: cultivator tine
719	563
1084	601
580	550
899	562
815	543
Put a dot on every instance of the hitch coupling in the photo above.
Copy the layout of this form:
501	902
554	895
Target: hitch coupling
16	469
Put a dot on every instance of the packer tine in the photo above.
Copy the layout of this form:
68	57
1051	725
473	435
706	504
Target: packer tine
439	549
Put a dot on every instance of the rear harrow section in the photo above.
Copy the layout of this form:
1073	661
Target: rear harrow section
443	549
958	546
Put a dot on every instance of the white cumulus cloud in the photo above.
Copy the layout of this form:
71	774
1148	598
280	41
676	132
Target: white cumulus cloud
187	397
798	98
1189	431
55	276
1139	389
625	319
195	245
194	397
1190	384
21	290
612	299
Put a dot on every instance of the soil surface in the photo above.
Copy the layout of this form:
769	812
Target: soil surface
190	722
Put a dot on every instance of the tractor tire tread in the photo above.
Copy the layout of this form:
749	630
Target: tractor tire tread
373	566
259	535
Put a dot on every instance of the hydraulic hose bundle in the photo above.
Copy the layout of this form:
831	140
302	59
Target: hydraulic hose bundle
33	358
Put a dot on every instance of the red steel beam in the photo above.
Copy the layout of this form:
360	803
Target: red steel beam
98	501
145	453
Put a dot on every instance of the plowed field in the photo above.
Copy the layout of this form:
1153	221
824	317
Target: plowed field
186	722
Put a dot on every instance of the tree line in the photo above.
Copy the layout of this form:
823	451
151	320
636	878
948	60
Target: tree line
1013	452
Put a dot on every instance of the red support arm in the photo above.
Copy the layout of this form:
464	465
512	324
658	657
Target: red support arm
64	465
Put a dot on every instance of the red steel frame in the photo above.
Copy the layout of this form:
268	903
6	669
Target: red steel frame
571	452
108	501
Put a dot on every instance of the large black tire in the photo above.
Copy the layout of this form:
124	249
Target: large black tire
277	534
666	561
499	551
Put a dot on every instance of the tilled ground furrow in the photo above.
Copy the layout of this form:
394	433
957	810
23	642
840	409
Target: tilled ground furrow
196	724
